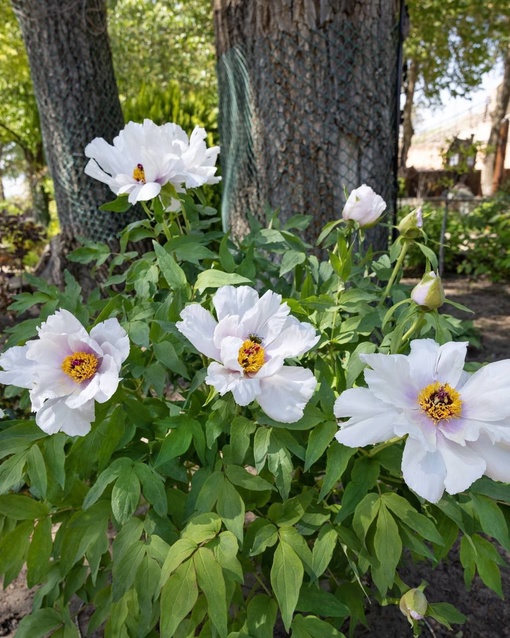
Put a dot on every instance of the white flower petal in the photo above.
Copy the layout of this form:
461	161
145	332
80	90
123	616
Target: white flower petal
284	396
424	472
463	465
234	301
496	457
112	338
246	390
485	395
372	421
224	380
295	339
55	416
229	353
198	326
18	370
266	318
389	379
430	362
148	191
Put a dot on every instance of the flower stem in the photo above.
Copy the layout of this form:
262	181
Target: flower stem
396	268
383	446
415	327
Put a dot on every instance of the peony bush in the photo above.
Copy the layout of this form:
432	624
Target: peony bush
242	439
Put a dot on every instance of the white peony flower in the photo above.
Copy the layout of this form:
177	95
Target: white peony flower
363	206
457	425
249	343
66	370
1	414
145	157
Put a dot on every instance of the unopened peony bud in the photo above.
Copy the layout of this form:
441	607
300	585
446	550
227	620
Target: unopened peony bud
410	226
413	605
364	206
429	293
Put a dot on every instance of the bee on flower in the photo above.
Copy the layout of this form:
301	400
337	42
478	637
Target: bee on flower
249	342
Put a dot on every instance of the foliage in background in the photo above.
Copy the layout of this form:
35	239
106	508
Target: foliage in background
477	243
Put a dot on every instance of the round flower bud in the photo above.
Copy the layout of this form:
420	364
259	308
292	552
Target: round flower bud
413	605
410	226
363	206
429	293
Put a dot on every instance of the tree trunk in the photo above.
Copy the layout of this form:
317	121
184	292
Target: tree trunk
74	84
308	105
407	118
2	191
497	115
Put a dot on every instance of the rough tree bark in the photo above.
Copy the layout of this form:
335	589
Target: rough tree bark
407	116
497	116
76	93
308	105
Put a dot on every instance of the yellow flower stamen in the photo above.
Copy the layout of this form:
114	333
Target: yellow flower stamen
440	402
80	366
139	174
251	355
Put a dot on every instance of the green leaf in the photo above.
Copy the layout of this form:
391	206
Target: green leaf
37	471
55	457
286	579
388	549
320	437
491	519
227	261
363	477
118	205
445	614
39	552
153	488
167	356
180	551
202	528
38	624
218	278
178	597
323	549
230	506
12	472
312	627
171	271
364	515
242	478
104	479
125	495
176	443
13	550
21	508
211	582
408	515
291	259
265	536
261	442
315	600
261	616
338	456
125	566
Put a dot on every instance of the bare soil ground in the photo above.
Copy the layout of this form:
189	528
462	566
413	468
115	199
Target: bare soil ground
488	616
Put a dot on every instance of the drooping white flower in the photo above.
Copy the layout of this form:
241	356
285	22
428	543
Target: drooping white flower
457	425
249	343
363	206
145	157
66	370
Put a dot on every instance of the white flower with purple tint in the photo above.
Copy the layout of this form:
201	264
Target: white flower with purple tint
457	425
145	157
67	370
363	206
249	342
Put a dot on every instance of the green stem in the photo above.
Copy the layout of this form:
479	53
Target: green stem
417	324
383	446
396	268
